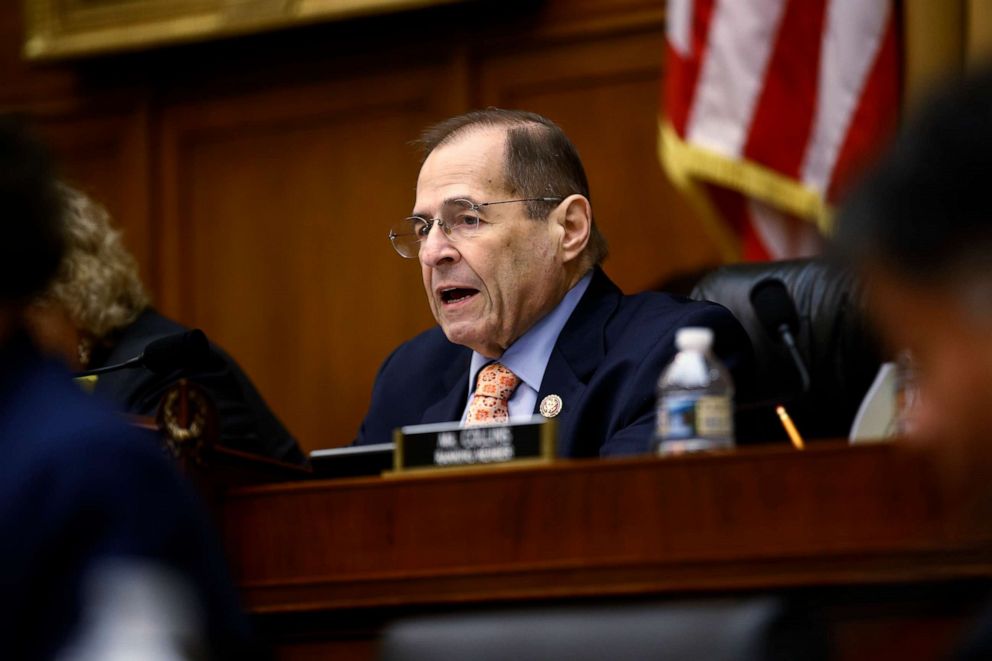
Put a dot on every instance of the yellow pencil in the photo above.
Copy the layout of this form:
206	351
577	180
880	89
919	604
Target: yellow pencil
790	428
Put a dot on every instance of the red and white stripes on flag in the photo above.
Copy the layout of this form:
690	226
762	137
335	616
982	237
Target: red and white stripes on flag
769	107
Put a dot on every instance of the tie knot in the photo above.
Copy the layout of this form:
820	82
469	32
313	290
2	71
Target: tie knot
493	388
496	380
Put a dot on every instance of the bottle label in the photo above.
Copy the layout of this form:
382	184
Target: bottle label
688	416
714	416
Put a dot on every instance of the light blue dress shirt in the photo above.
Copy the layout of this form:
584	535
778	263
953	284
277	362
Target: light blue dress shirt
528	356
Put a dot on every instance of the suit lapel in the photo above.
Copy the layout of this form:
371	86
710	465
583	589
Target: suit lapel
454	385
560	379
579	350
577	353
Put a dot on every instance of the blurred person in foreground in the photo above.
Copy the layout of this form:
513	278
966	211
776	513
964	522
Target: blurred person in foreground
920	229
105	553
96	313
510	256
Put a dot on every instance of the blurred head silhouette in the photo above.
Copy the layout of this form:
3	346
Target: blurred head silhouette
920	228
30	220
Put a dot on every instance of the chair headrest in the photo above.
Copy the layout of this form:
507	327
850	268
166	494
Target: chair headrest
834	339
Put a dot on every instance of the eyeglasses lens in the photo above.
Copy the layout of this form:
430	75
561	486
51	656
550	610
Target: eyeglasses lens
457	219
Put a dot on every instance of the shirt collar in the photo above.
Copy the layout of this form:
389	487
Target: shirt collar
528	356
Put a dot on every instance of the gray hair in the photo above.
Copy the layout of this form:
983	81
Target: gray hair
97	284
540	161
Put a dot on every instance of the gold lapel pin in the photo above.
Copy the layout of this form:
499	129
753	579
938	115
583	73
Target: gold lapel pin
551	406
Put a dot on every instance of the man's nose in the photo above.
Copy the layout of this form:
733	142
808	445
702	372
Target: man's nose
437	247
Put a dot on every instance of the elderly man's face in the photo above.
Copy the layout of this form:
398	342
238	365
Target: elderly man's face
486	290
952	348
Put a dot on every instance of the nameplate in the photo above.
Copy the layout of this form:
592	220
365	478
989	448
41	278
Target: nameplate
449	445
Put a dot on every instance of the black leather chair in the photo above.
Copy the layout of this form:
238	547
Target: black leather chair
834	339
760	628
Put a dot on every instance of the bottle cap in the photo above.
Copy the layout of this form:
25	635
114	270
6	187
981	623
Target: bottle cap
694	339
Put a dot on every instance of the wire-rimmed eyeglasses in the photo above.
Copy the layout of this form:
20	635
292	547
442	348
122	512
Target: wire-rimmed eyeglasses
458	219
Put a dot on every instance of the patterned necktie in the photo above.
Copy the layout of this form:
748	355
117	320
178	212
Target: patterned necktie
493	389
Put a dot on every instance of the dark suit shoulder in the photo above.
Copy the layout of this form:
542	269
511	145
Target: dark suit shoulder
416	375
667	313
650	320
132	340
643	319
422	352
660	307
616	347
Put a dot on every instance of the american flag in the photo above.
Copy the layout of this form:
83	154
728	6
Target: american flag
770	107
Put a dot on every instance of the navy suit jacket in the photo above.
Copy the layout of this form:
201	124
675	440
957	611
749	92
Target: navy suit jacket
604	366
80	489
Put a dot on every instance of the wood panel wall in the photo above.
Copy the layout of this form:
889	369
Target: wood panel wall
255	178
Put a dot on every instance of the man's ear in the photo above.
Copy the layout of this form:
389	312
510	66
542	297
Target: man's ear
576	221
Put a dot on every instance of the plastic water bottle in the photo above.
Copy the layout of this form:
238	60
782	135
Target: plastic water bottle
695	398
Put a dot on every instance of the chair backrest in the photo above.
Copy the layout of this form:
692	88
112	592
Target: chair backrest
752	629
834	339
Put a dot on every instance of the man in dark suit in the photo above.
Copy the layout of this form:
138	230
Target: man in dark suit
504	232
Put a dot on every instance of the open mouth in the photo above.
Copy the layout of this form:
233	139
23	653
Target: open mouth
457	295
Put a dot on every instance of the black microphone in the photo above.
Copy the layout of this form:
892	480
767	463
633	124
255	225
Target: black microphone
776	311
188	350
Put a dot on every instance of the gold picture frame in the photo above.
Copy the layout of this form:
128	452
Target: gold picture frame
58	29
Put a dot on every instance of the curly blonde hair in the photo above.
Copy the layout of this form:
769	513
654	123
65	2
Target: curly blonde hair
97	284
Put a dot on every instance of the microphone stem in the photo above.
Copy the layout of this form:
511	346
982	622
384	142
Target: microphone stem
133	362
790	343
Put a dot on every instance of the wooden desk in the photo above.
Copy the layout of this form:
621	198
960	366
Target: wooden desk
752	520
